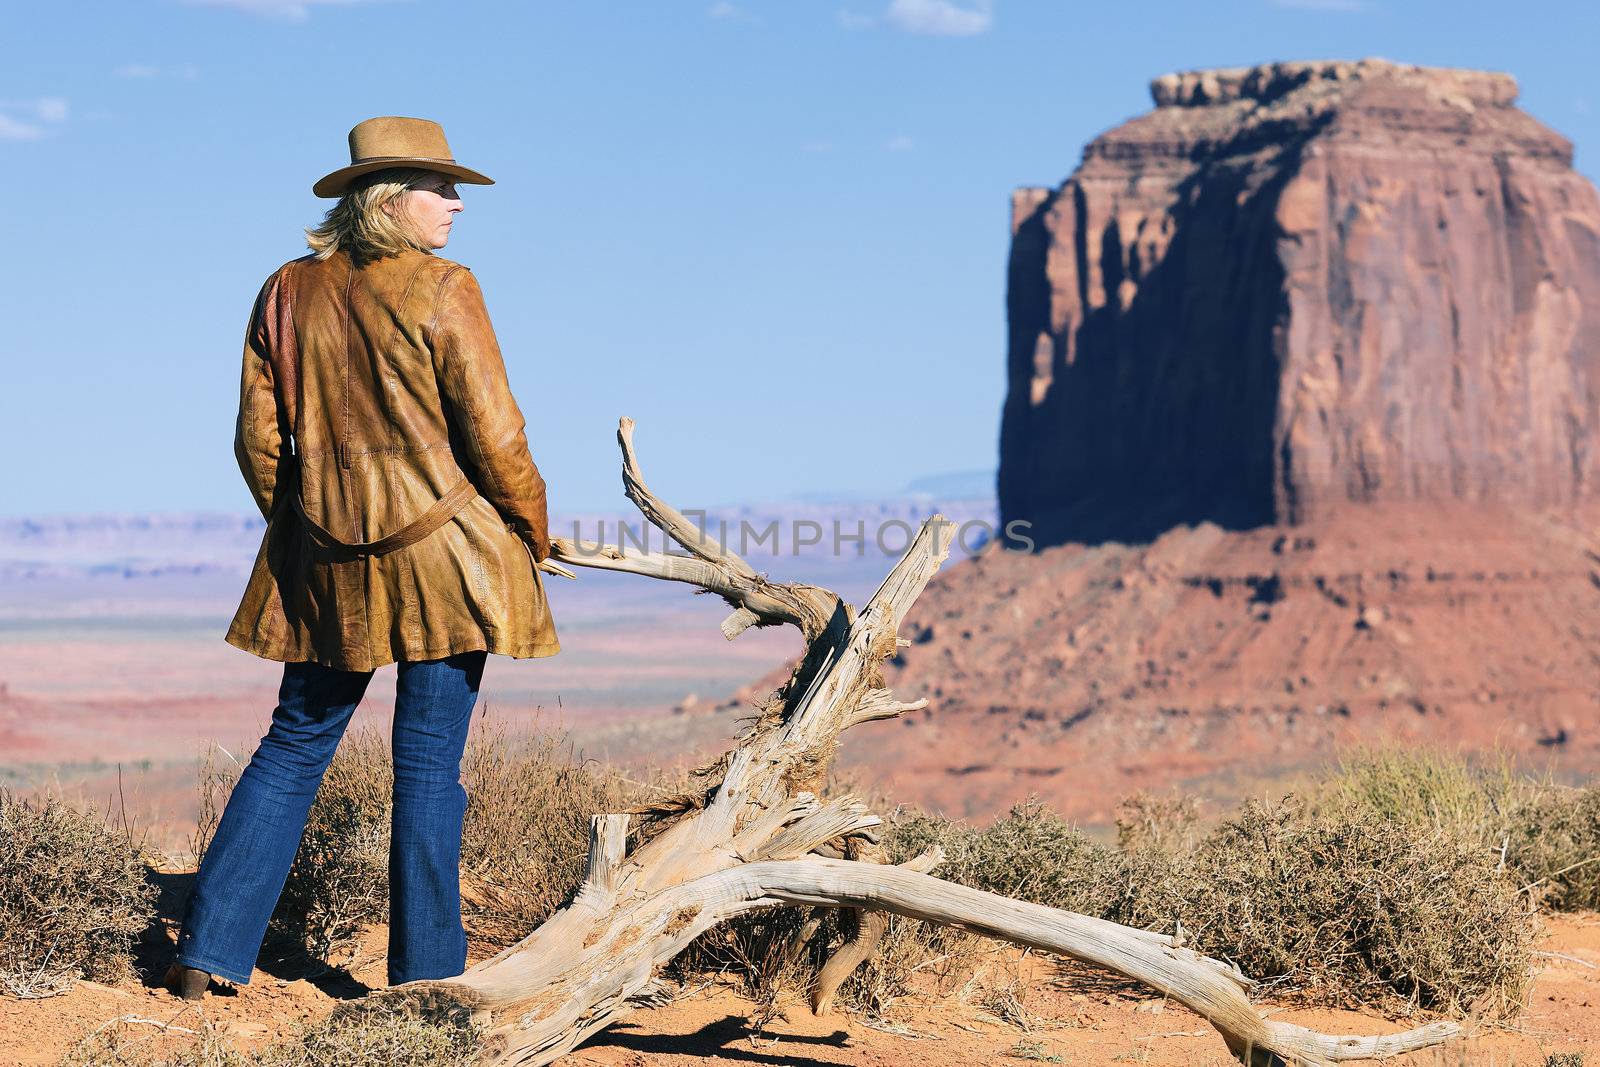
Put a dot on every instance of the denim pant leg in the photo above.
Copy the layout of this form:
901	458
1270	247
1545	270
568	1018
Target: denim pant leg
432	711
248	860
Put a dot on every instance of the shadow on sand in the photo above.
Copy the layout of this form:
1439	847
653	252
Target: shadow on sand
727	1038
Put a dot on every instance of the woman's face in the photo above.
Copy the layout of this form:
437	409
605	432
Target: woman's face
431	206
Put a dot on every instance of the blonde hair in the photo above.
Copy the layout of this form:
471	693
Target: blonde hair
363	225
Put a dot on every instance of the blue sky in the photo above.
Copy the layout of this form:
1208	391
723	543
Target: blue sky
772	231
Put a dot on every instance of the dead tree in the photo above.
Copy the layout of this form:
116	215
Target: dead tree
760	836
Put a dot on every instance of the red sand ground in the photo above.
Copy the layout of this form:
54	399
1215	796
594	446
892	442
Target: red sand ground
1074	1014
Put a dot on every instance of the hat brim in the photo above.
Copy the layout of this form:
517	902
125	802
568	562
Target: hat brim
336	183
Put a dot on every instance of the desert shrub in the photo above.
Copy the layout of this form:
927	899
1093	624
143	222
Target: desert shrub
1384	890
1341	906
339	881
773	957
216	781
73	896
910	949
418	1030
1554	847
1546	836
1350	909
526	838
1148	821
769	955
1030	853
1427	787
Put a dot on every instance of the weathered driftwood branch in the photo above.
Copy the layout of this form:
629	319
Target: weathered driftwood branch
755	600
762	837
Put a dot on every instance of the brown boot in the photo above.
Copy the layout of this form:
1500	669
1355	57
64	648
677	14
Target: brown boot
188	982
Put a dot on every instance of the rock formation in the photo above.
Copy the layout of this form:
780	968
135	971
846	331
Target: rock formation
1305	412
1227	663
1295	286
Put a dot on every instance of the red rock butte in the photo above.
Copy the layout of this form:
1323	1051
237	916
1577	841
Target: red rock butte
1294	287
1304	376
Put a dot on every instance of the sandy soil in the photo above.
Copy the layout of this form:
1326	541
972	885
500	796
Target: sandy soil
1080	1016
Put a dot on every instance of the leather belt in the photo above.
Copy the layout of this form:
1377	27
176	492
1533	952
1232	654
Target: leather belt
443	510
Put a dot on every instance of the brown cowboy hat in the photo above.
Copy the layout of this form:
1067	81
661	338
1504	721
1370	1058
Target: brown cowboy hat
393	141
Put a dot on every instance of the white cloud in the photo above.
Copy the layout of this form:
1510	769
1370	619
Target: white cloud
288	10
1346	7
26	120
900	143
941	18
724	10
16	130
150	70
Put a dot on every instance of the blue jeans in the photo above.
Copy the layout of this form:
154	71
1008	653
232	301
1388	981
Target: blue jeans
248	860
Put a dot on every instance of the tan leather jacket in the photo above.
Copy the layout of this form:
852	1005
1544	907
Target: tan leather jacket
388	381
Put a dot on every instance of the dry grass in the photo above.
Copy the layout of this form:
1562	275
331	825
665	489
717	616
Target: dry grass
1163	823
1481	801
1031	854
73	896
131	1041
766	954
217	779
1033	1050
414	1030
524	841
1349	910
1545	835
418	1031
1557	849
526	838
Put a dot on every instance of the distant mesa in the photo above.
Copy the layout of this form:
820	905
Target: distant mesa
1299	286
953	485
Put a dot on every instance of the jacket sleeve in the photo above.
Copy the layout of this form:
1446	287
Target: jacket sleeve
258	433
483	414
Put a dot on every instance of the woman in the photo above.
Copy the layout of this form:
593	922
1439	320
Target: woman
405	524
